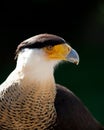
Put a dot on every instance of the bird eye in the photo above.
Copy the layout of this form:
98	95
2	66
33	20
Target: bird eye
49	47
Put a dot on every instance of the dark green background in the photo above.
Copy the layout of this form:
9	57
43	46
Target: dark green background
79	23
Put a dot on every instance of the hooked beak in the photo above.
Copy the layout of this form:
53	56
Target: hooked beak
73	57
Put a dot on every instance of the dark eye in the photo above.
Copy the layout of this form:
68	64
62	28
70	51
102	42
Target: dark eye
49	47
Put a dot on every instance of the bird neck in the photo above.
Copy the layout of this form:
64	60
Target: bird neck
40	82
38	75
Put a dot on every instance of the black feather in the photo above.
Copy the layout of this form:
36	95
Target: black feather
40	41
72	114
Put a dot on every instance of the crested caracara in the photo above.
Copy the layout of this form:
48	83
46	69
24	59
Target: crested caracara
31	100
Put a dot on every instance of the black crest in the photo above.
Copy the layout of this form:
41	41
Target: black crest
40	41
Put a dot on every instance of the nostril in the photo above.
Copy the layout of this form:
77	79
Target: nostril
68	49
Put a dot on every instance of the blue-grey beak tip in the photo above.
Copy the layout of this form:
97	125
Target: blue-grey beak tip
73	57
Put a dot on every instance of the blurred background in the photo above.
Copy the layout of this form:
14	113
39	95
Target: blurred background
81	23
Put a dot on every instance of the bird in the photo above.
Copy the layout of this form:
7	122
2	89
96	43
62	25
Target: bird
30	99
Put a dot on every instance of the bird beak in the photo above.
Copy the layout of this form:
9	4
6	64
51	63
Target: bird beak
73	57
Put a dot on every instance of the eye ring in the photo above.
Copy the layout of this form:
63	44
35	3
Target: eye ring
49	47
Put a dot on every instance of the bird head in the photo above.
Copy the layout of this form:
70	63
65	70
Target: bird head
44	51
